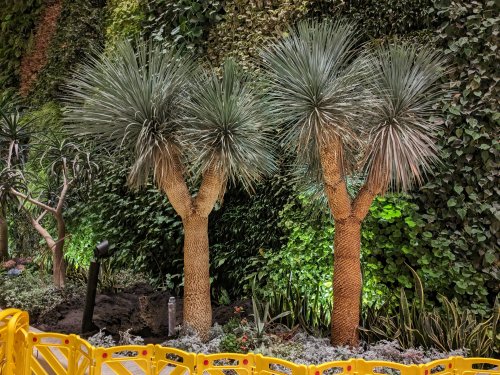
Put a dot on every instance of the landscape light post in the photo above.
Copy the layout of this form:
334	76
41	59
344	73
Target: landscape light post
101	251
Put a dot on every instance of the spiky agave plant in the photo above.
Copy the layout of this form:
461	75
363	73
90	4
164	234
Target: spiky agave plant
344	113
149	103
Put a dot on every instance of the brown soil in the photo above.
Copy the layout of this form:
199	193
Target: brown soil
36	59
140	309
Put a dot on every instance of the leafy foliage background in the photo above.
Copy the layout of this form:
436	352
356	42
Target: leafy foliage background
17	23
448	231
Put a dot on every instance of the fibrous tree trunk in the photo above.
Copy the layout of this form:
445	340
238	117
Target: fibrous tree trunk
194	214
348	216
347	284
197	305
4	238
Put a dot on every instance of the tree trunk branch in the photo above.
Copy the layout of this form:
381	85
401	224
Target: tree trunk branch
33	201
210	189
335	186
175	187
375	184
51	243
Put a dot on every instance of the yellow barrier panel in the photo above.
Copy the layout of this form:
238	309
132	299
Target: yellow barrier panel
275	366
83	356
50	351
440	367
475	366
5	318
124	359
382	367
27	353
15	353
173	361
225	364
336	367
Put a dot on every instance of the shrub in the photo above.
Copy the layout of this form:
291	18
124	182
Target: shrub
35	292
141	225
446	327
100	339
183	22
123	21
243	227
304	349
459	208
79	31
17	22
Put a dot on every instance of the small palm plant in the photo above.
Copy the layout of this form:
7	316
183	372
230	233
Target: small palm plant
176	122
344	113
15	133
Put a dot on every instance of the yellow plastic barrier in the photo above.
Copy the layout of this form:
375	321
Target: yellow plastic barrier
17	329
173	361
336	367
27	353
382	367
225	363
83	356
473	366
275	366
124	359
440	367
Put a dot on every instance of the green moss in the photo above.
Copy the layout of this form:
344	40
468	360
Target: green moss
17	22
79	31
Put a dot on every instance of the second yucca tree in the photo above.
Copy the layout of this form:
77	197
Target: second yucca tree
176	122
344	113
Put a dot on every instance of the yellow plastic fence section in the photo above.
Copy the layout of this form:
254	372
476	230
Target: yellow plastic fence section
336	367
275	366
124	360
27	353
225	363
173	362
473	366
15	355
5	317
83	357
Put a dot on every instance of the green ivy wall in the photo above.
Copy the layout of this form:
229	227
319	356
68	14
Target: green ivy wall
448	231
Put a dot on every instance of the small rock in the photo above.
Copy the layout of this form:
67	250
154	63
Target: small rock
14	272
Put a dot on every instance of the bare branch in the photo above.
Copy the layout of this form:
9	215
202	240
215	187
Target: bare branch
62	197
33	201
41	216
40	229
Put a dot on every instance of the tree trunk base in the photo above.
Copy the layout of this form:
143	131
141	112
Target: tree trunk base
197	304
347	282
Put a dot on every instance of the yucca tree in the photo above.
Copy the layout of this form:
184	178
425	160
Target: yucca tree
345	113
176	122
